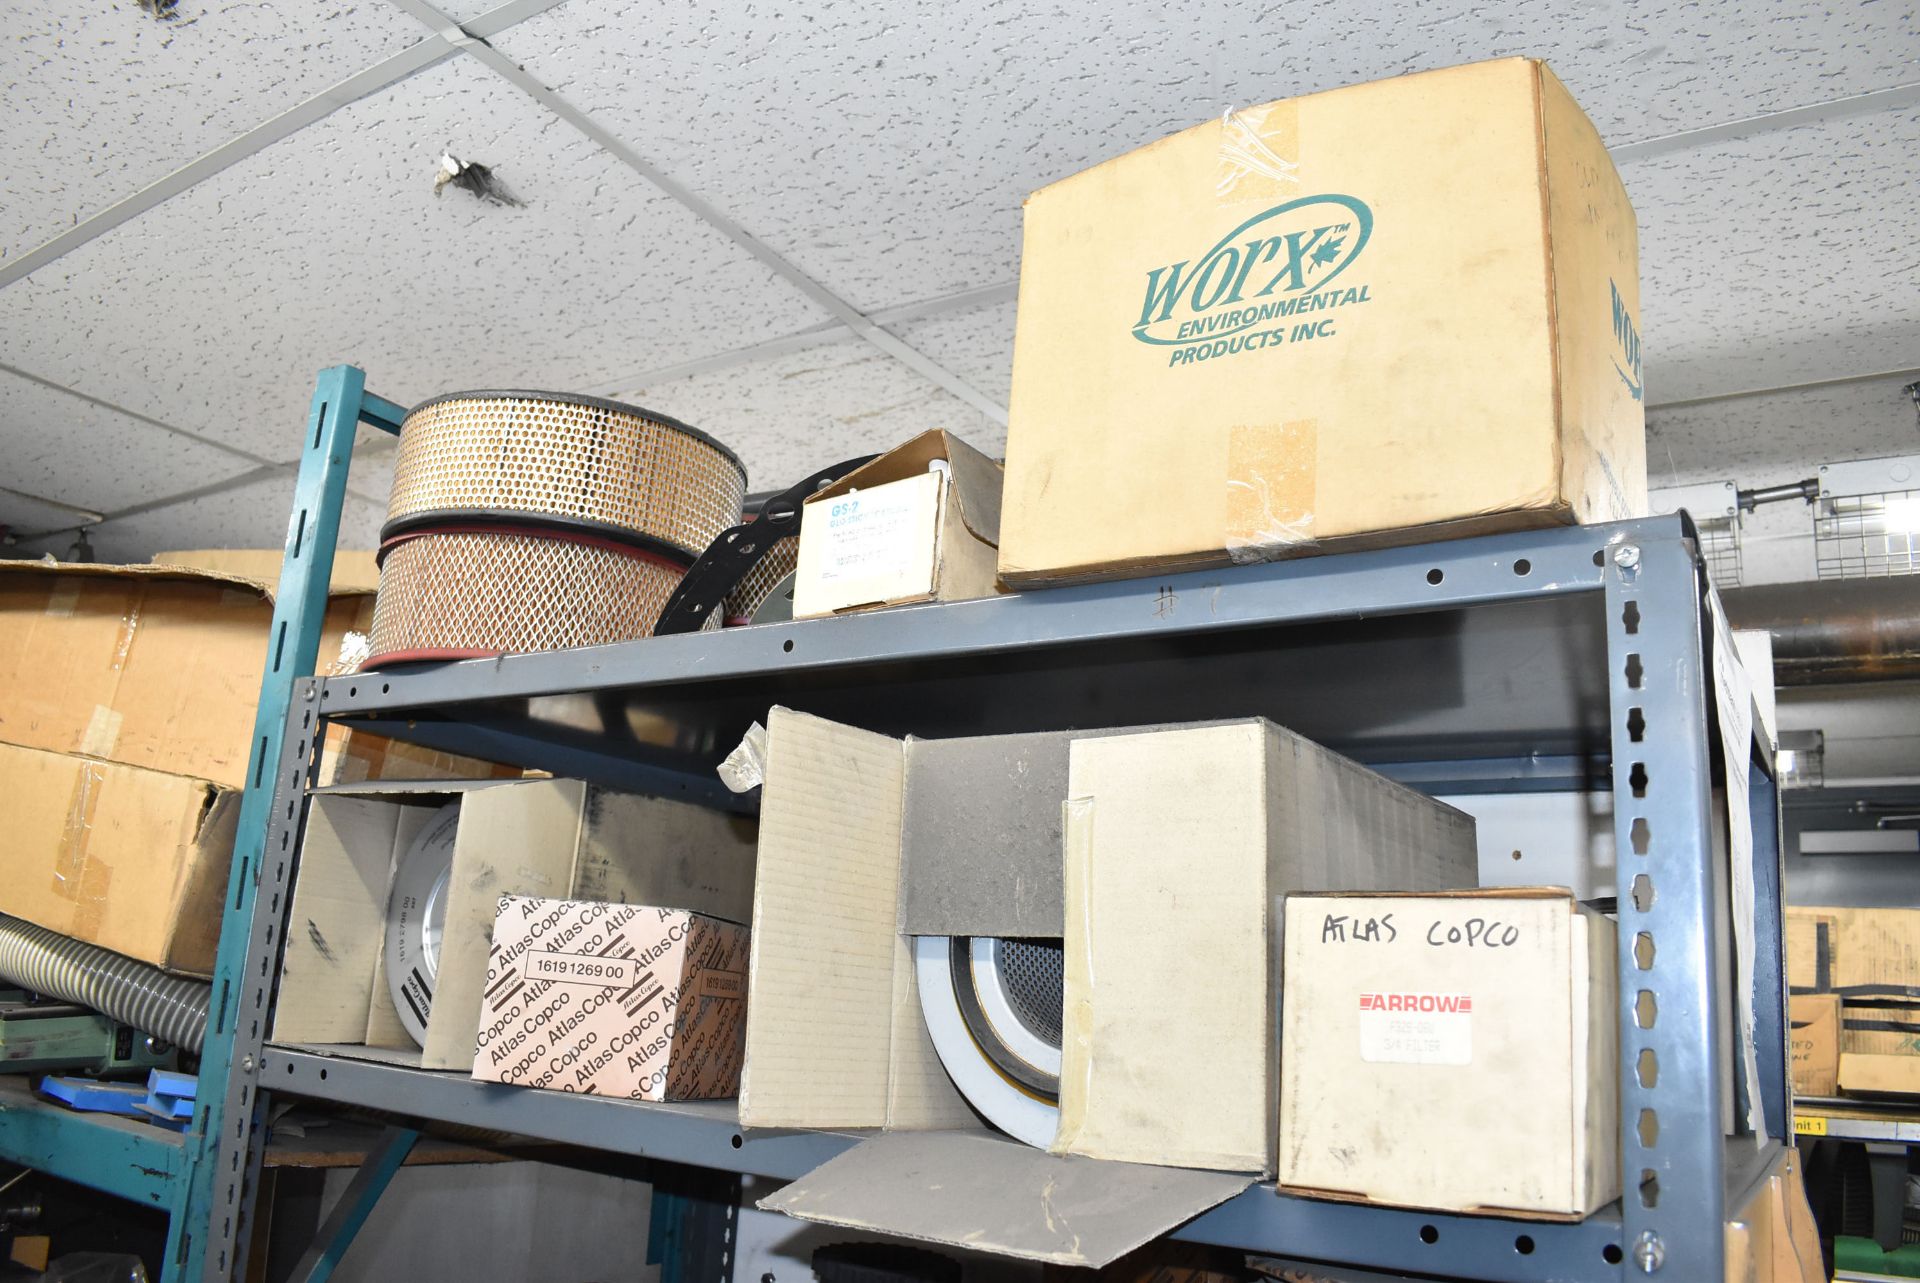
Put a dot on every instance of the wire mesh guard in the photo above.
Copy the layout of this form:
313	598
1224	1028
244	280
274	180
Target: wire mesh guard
549	456
1720	549
1031	973
464	594
1867	535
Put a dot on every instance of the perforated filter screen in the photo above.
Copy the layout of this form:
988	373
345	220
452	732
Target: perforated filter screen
1030	971
548	456
453	595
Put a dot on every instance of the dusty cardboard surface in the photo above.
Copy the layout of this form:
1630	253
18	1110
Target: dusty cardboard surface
979	1191
981	841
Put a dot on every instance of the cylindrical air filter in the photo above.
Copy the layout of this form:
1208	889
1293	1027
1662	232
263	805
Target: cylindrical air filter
469	593
568	462
524	521
993	1009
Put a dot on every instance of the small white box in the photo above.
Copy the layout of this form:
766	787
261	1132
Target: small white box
1456	1052
920	523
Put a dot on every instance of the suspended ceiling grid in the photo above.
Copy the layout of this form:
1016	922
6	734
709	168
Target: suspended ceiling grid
799	227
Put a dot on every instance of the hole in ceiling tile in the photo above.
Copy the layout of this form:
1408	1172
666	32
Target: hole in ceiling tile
164	10
477	180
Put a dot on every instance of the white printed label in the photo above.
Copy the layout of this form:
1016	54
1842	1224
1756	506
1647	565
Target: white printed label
582	969
1416	1028
874	533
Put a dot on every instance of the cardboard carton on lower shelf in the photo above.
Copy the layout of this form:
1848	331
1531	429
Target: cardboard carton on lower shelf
557	838
129	859
1454	1052
620	1000
1869	960
1813	1043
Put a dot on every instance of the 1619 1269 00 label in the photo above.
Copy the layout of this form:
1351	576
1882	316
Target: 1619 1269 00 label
582	969
1416	1028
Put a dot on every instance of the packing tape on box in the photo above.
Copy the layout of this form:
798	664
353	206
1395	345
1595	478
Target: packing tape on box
77	878
1259	153
102	733
1272	482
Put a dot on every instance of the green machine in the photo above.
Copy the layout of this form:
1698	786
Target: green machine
39	1034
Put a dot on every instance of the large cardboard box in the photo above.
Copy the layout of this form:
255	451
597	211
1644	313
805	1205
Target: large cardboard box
1394	312
1456	1052
129	859
1871	959
1813	1043
1180	845
153	666
620	1000
920	523
556	838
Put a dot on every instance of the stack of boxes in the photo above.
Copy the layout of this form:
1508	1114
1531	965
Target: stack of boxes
127	699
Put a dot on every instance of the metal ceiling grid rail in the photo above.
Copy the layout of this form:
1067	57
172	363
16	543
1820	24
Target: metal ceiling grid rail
1531	661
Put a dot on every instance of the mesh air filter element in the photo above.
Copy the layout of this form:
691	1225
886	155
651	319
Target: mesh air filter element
568	461
758	584
463	593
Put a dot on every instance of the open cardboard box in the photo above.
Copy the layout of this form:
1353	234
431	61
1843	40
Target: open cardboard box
920	523
559	838
867	840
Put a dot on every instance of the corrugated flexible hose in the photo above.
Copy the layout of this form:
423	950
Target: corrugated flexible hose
147	998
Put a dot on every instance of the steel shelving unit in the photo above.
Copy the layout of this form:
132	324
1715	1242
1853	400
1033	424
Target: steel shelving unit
1554	660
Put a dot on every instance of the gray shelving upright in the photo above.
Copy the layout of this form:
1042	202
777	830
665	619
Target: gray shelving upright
1562	659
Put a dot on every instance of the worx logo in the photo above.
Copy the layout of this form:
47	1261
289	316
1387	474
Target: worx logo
1243	280
1626	361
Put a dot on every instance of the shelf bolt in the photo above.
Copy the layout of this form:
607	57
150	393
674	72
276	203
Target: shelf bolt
307	692
246	1063
1649	1253
1626	556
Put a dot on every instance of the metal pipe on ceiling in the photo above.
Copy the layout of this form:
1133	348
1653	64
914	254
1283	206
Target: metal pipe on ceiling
1835	630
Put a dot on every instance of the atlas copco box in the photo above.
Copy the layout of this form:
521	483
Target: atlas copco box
1389	313
1456	1052
613	1000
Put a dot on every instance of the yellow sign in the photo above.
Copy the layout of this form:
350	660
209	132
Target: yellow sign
1809	1125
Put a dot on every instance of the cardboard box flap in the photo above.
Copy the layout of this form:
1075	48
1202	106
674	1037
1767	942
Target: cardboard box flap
981	850
986	1193
355	573
144	573
825	911
975	478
